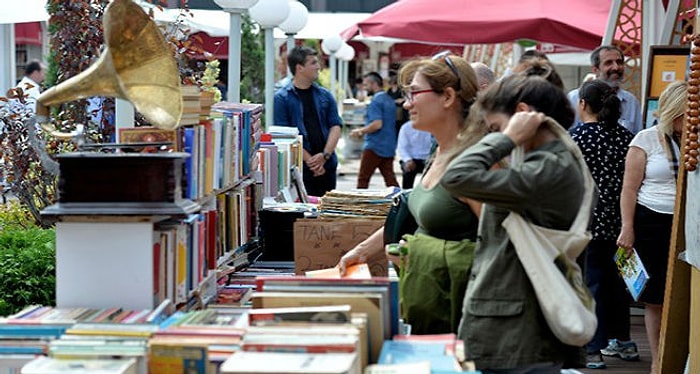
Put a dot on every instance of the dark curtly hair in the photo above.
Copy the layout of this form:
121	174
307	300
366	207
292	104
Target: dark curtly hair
535	91
32	66
297	56
595	55
602	100
373	75
537	66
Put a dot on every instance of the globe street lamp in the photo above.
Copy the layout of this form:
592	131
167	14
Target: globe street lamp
295	22
330	46
235	8
269	14
346	53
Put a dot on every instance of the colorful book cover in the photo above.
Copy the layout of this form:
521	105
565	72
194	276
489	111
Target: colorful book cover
173	357
632	271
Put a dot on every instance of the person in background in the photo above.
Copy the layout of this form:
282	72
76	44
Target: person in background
304	104
34	74
414	149
608	64
439	96
647	204
603	143
538	66
484	75
394	91
358	90
503	327
379	133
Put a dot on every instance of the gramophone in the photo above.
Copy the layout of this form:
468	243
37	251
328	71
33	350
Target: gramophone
137	66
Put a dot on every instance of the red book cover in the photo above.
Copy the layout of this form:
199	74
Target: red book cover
212	224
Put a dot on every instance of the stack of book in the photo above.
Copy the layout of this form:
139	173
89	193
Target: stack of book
366	204
191	107
199	340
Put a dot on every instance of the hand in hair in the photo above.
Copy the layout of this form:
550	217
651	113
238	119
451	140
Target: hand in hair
523	126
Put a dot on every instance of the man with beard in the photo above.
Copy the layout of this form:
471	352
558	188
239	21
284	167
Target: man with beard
608	64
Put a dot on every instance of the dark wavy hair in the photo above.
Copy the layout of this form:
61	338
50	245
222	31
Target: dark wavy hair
535	91
602	101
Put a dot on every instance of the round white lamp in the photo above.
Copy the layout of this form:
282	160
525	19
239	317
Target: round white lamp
295	22
269	14
235	8
330	46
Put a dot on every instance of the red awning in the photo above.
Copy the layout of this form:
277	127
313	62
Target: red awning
28	33
216	45
579	23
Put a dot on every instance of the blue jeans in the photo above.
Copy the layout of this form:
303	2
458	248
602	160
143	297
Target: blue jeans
611	296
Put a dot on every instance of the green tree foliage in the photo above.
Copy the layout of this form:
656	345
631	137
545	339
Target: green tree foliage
27	268
252	61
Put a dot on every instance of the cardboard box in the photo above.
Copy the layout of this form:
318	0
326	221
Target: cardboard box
320	243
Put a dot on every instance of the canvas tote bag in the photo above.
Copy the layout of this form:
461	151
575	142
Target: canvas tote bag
549	259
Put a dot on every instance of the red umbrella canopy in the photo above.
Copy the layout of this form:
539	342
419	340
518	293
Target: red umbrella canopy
576	23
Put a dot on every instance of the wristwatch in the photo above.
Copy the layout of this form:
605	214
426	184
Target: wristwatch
327	155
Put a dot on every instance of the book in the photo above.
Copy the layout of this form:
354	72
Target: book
287	362
168	357
320	314
357	271
49	365
632	271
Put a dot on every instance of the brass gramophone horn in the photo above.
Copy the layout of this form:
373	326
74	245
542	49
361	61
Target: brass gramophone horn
136	65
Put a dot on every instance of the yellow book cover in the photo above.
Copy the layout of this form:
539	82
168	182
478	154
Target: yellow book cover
167	357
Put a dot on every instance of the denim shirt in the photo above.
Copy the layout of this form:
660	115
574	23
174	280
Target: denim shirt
288	112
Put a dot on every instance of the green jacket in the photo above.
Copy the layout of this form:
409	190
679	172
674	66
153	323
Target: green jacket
502	324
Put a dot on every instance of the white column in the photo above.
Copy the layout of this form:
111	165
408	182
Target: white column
234	57
331	61
8	67
269	77
123	116
290	45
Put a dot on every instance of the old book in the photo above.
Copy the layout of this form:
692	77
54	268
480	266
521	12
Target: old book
319	314
370	303
166	357
49	365
291	363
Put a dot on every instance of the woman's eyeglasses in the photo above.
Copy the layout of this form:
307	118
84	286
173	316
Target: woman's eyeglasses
445	56
411	95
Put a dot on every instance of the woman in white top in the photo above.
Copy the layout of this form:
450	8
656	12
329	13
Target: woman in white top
647	201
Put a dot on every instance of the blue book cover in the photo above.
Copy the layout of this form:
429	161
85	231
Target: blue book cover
405	352
190	192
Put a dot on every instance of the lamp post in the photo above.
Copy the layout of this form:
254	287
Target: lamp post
345	54
330	46
295	22
235	8
269	14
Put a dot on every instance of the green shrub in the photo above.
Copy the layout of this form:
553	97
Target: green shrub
14	216
27	268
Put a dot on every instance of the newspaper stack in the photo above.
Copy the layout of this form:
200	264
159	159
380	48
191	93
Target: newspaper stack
366	204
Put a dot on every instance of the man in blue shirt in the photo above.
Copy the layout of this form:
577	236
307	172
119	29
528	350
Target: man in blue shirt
380	131
304	104
414	149
608	64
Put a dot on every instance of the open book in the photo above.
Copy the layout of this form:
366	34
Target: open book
632	271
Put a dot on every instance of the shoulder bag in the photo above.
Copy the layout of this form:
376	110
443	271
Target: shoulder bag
399	220
549	259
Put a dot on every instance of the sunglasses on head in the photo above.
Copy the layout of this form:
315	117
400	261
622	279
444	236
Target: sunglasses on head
445	56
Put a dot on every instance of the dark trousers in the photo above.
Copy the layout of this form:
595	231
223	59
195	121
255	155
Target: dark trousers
611	297
369	162
318	186
409	177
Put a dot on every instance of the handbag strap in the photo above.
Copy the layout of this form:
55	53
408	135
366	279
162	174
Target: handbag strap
580	224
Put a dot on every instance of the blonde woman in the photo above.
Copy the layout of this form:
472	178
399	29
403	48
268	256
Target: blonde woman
439	94
647	202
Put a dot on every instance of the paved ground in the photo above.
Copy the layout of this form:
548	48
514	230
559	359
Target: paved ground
347	175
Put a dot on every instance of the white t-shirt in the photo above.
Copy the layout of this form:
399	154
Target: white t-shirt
658	189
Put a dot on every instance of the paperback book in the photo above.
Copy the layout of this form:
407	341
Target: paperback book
632	271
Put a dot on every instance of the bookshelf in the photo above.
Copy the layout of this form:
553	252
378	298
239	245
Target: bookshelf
135	229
